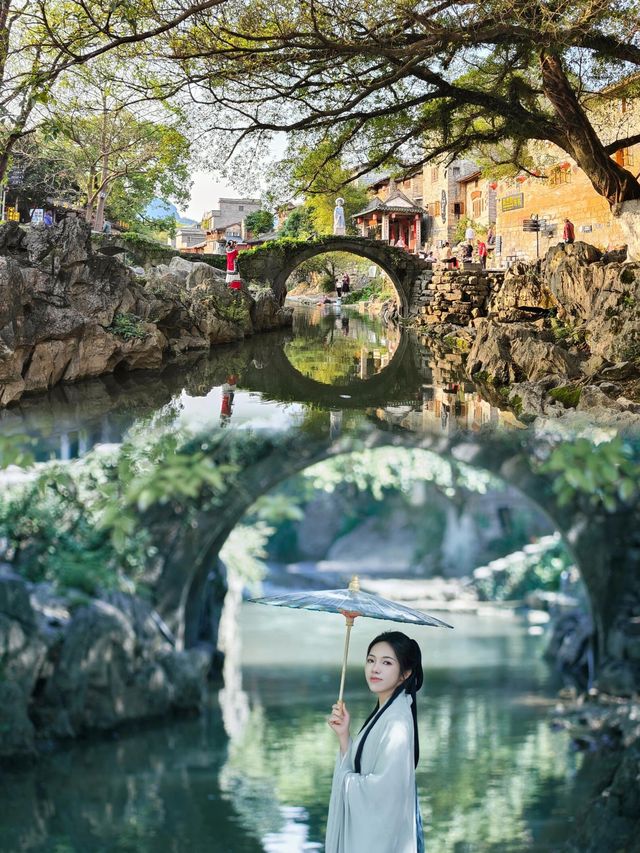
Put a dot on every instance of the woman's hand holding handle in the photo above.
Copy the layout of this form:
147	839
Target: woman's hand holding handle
339	722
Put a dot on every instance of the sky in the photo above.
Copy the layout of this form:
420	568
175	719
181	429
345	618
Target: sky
207	188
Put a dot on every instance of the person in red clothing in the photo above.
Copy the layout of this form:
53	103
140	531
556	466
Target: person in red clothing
228	393
568	232
482	253
233	279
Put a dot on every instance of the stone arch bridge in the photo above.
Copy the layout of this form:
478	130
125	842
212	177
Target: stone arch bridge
274	262
605	545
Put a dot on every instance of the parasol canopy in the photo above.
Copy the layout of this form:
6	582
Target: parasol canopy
351	603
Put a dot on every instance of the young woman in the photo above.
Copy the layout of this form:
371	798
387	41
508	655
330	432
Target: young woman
374	803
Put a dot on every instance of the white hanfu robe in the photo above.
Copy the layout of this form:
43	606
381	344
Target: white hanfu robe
375	811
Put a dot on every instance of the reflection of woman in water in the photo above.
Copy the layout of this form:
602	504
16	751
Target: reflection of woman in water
228	393
374	804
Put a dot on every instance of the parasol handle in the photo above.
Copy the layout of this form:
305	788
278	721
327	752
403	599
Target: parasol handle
349	623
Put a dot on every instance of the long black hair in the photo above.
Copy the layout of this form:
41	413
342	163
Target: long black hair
410	659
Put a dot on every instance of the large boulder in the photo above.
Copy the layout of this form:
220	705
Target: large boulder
503	354
115	663
602	298
520	296
22	654
266	313
67	314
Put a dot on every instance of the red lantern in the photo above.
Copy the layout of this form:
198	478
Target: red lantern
493	185
565	166
521	179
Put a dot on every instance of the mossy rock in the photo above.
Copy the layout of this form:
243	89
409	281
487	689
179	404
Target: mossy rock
568	395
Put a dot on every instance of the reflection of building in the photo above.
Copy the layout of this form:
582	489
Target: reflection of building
446	402
449	408
373	360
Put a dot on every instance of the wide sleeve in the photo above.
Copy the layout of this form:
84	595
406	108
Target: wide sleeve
375	811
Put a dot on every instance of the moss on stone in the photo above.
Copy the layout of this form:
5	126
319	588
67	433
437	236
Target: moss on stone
516	404
455	342
568	395
480	376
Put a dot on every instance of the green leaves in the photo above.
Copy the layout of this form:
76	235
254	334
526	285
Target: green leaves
603	476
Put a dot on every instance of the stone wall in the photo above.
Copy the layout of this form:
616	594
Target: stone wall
452	296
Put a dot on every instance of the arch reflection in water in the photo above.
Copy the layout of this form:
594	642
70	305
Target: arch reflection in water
416	388
335	346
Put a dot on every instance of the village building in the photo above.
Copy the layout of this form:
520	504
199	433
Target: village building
562	190
188	238
477	198
230	211
445	199
393	216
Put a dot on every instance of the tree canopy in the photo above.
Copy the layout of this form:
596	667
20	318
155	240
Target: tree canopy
42	41
396	85
259	222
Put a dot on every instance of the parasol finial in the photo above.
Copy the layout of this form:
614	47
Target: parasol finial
354	584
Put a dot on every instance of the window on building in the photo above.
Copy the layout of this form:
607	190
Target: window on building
434	208
624	105
458	208
624	157
477	208
434	174
559	175
241	207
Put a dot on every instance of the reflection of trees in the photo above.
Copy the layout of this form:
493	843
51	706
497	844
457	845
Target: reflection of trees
147	792
331	356
485	773
495	763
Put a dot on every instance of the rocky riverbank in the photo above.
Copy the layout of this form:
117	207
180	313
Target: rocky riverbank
68	314
558	339
71	665
607	730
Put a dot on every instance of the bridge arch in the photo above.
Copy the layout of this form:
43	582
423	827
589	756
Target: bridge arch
274	262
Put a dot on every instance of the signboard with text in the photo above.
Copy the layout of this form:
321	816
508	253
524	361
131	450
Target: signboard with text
512	202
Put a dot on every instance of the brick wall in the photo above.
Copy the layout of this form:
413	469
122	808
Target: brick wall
566	193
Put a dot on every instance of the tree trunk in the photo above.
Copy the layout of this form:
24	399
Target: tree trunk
580	140
88	210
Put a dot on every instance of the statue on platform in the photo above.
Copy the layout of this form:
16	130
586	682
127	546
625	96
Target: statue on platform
338	218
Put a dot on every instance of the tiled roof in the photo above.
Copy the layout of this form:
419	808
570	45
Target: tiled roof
398	202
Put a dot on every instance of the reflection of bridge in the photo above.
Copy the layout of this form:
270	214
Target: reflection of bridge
280	380
273	264
604	544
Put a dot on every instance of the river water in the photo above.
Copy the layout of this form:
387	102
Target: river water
254	772
332	370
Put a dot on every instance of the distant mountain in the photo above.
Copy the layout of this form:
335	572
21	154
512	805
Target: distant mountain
160	209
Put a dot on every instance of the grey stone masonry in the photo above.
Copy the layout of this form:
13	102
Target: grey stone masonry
452	296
